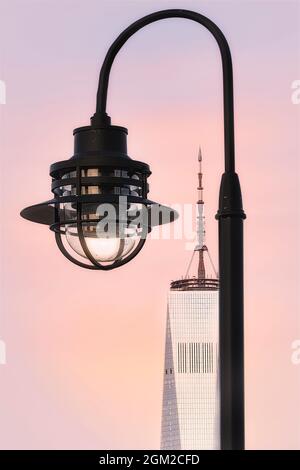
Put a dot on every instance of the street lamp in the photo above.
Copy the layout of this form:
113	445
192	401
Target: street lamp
101	176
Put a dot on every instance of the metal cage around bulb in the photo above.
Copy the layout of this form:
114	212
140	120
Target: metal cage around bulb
100	212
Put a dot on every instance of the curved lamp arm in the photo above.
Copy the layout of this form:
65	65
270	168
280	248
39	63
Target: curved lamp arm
226	65
230	217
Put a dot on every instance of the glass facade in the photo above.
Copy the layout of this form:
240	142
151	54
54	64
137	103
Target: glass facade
190	414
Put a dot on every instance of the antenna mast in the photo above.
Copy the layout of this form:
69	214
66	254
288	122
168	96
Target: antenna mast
200	247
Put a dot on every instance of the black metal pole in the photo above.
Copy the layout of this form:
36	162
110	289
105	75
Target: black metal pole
231	322
230	216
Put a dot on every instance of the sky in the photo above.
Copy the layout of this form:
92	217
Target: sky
85	350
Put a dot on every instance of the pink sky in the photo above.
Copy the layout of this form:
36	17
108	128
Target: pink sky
85	349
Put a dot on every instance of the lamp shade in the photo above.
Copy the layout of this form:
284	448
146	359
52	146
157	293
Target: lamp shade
100	211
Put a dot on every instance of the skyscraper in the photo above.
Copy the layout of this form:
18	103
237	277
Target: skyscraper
190	412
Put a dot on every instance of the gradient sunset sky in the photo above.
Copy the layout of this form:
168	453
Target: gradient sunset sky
85	349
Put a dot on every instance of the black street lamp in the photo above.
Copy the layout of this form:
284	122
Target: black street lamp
101	175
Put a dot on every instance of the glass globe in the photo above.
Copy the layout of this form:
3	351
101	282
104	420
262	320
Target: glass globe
108	249
104	247
106	244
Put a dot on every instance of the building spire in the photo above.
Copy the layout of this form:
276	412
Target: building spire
200	247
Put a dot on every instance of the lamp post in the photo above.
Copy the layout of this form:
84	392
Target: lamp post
101	175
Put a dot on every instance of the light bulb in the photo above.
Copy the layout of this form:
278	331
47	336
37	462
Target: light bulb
102	247
108	249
